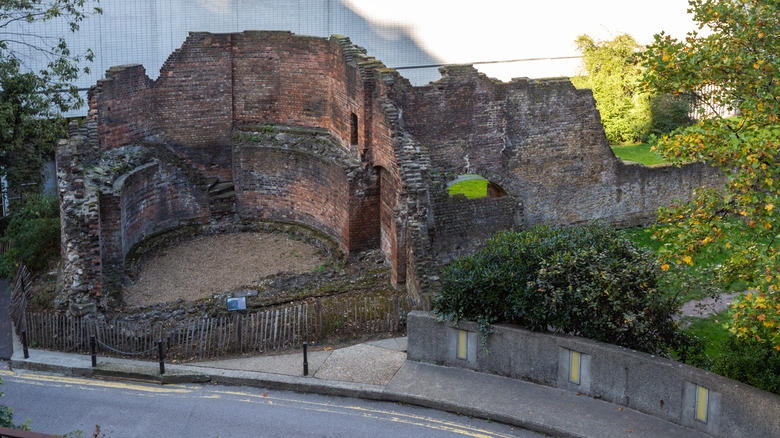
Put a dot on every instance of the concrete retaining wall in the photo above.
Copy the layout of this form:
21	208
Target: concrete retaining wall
660	387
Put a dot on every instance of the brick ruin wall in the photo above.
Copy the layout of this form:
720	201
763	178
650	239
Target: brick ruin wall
314	131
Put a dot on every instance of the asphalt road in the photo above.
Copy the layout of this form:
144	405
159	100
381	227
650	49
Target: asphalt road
59	405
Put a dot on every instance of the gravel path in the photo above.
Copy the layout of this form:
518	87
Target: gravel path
216	264
707	306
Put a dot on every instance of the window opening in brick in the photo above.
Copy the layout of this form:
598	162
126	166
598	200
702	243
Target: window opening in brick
353	129
475	186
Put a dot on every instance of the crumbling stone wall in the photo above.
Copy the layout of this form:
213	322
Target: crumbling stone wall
464	224
271	125
542	141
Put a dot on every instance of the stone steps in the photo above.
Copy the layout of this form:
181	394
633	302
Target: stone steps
221	188
222	197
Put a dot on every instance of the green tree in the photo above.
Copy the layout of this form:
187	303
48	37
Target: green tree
614	77
32	235
629	112
31	101
734	64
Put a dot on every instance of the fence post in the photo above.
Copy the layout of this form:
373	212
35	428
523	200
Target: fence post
396	313
162	356
238	332
24	344
93	350
305	360
318	308
23	320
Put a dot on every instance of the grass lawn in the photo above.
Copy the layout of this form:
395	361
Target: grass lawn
638	153
472	188
695	282
712	330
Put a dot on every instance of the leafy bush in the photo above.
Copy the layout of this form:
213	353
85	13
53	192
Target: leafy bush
33	234
588	281
667	113
754	363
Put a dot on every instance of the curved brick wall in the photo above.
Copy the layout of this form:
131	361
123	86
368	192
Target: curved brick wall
293	186
155	198
207	92
215	81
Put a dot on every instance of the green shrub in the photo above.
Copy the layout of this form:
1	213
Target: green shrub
749	362
667	113
588	281
33	235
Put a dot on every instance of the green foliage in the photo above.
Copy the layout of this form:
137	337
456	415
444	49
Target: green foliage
31	101
586	280
668	112
638	153
33	235
615	80
751	362
628	112
699	279
734	66
712	330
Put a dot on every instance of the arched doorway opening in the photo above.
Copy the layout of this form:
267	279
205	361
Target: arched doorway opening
475	186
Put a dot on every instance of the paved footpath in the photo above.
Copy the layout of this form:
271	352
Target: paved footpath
379	370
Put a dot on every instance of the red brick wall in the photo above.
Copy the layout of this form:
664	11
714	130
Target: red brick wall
293	186
217	80
382	155
194	99
156	198
364	212
216	83
295	80
123	104
392	242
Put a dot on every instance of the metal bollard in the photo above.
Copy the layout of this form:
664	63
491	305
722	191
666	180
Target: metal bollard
93	350
24	344
162	357
305	360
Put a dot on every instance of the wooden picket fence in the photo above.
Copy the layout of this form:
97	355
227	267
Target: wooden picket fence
199	339
20	295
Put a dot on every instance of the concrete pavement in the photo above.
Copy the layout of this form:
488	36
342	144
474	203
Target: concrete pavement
379	370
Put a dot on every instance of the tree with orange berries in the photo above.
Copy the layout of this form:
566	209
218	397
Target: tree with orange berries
731	62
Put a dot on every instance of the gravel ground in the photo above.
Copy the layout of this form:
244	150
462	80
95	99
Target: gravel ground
217	264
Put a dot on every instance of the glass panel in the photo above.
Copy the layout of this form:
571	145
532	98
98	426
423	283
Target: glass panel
462	344
702	399
574	367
